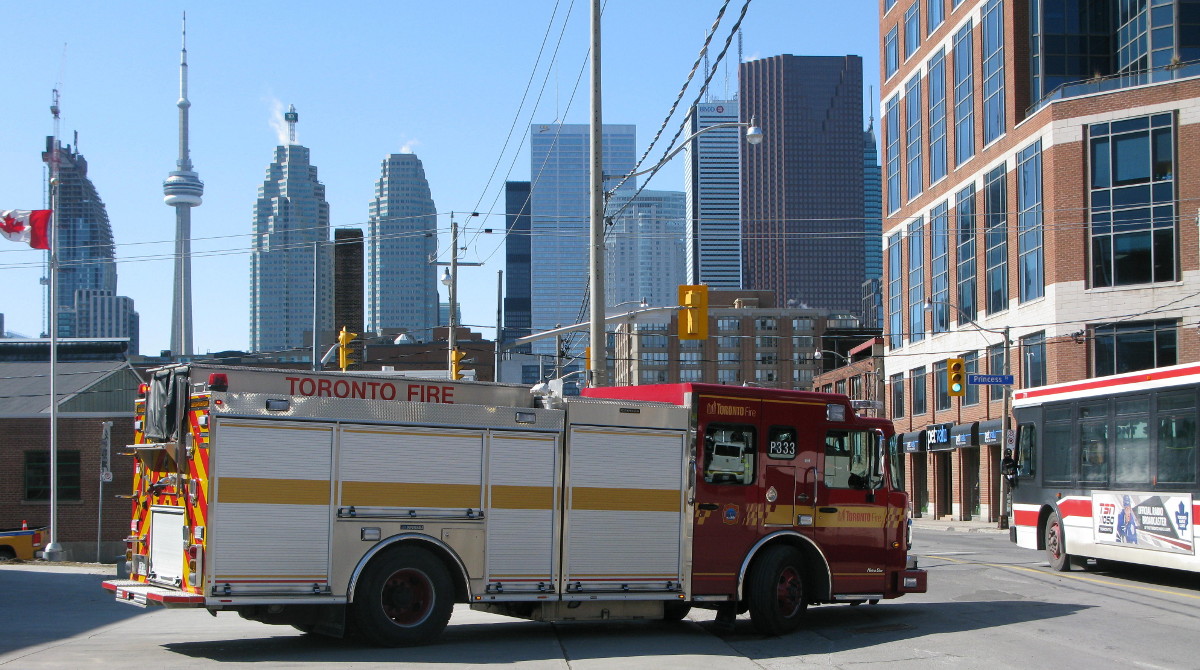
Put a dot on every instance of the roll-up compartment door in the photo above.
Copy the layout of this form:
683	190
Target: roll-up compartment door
270	521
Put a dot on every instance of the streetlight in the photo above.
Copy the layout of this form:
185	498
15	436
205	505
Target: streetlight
1002	523
753	135
817	355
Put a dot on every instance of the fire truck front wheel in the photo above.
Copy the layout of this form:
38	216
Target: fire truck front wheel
776	591
404	598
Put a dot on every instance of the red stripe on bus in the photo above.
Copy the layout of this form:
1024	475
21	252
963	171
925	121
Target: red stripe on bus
1075	507
1023	517
1106	382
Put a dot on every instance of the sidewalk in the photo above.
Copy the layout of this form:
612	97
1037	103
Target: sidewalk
929	523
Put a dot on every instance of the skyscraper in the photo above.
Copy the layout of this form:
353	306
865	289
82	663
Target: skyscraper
802	189
872	292
87	300
291	235
518	287
559	218
644	248
348	279
712	183
182	190
401	238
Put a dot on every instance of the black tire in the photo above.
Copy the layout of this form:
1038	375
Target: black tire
675	610
1056	545
776	591
404	598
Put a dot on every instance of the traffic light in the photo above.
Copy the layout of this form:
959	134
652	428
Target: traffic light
344	353
456	357
956	376
693	312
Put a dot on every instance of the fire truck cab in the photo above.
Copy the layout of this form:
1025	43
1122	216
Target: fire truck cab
361	503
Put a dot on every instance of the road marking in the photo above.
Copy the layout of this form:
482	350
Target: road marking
1067	576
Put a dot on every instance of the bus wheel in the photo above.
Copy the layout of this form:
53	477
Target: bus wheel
404	599
776	591
1056	545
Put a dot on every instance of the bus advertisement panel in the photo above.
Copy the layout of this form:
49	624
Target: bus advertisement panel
1161	522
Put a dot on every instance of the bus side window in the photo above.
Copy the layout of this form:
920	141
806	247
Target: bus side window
1026	449
729	454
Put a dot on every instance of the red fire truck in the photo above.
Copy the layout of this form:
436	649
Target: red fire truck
372	504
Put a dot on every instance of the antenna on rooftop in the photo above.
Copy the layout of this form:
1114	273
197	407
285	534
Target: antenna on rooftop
291	117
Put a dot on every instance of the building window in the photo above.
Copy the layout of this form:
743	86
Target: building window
802	342
912	114
1133	201
653	376
891	113
654	341
971	367
937	114
1134	346
995	354
895	293
935	13
654	358
941	386
897	384
993	70
888	4
995	235
916	280
912	29
964	94
802	374
690	357
918	391
964	223
691	375
728	376
37	475
939	242
891	50
728	343
1033	361
765	375
734	325
762	358
1030	283
724	357
766	323
803	324
766	342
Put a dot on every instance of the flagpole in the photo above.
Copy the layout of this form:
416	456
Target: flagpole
53	551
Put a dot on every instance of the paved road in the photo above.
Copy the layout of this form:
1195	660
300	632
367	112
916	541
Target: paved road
990	605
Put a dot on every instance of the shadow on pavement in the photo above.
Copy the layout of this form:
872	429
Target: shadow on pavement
828	629
69	603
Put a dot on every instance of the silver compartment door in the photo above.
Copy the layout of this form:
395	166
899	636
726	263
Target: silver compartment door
523	495
624	518
271	514
166	545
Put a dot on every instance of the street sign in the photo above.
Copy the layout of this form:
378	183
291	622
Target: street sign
984	380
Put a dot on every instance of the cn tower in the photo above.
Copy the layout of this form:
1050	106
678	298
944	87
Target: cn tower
182	190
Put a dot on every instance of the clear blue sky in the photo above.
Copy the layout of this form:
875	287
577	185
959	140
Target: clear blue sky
442	79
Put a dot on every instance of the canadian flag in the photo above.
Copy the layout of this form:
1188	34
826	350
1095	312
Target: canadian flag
29	226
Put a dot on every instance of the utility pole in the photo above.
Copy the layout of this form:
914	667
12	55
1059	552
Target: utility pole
596	267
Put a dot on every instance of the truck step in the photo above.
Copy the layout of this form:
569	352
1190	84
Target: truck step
141	595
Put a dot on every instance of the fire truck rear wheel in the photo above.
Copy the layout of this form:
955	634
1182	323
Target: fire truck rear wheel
404	598
776	591
1056	545
674	610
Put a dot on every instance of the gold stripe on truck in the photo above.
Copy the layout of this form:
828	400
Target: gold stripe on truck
523	497
409	494
625	500
273	491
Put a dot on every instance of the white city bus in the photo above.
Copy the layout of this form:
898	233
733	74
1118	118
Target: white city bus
1107	469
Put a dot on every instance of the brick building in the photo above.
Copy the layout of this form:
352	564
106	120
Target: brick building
95	385
1036	186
